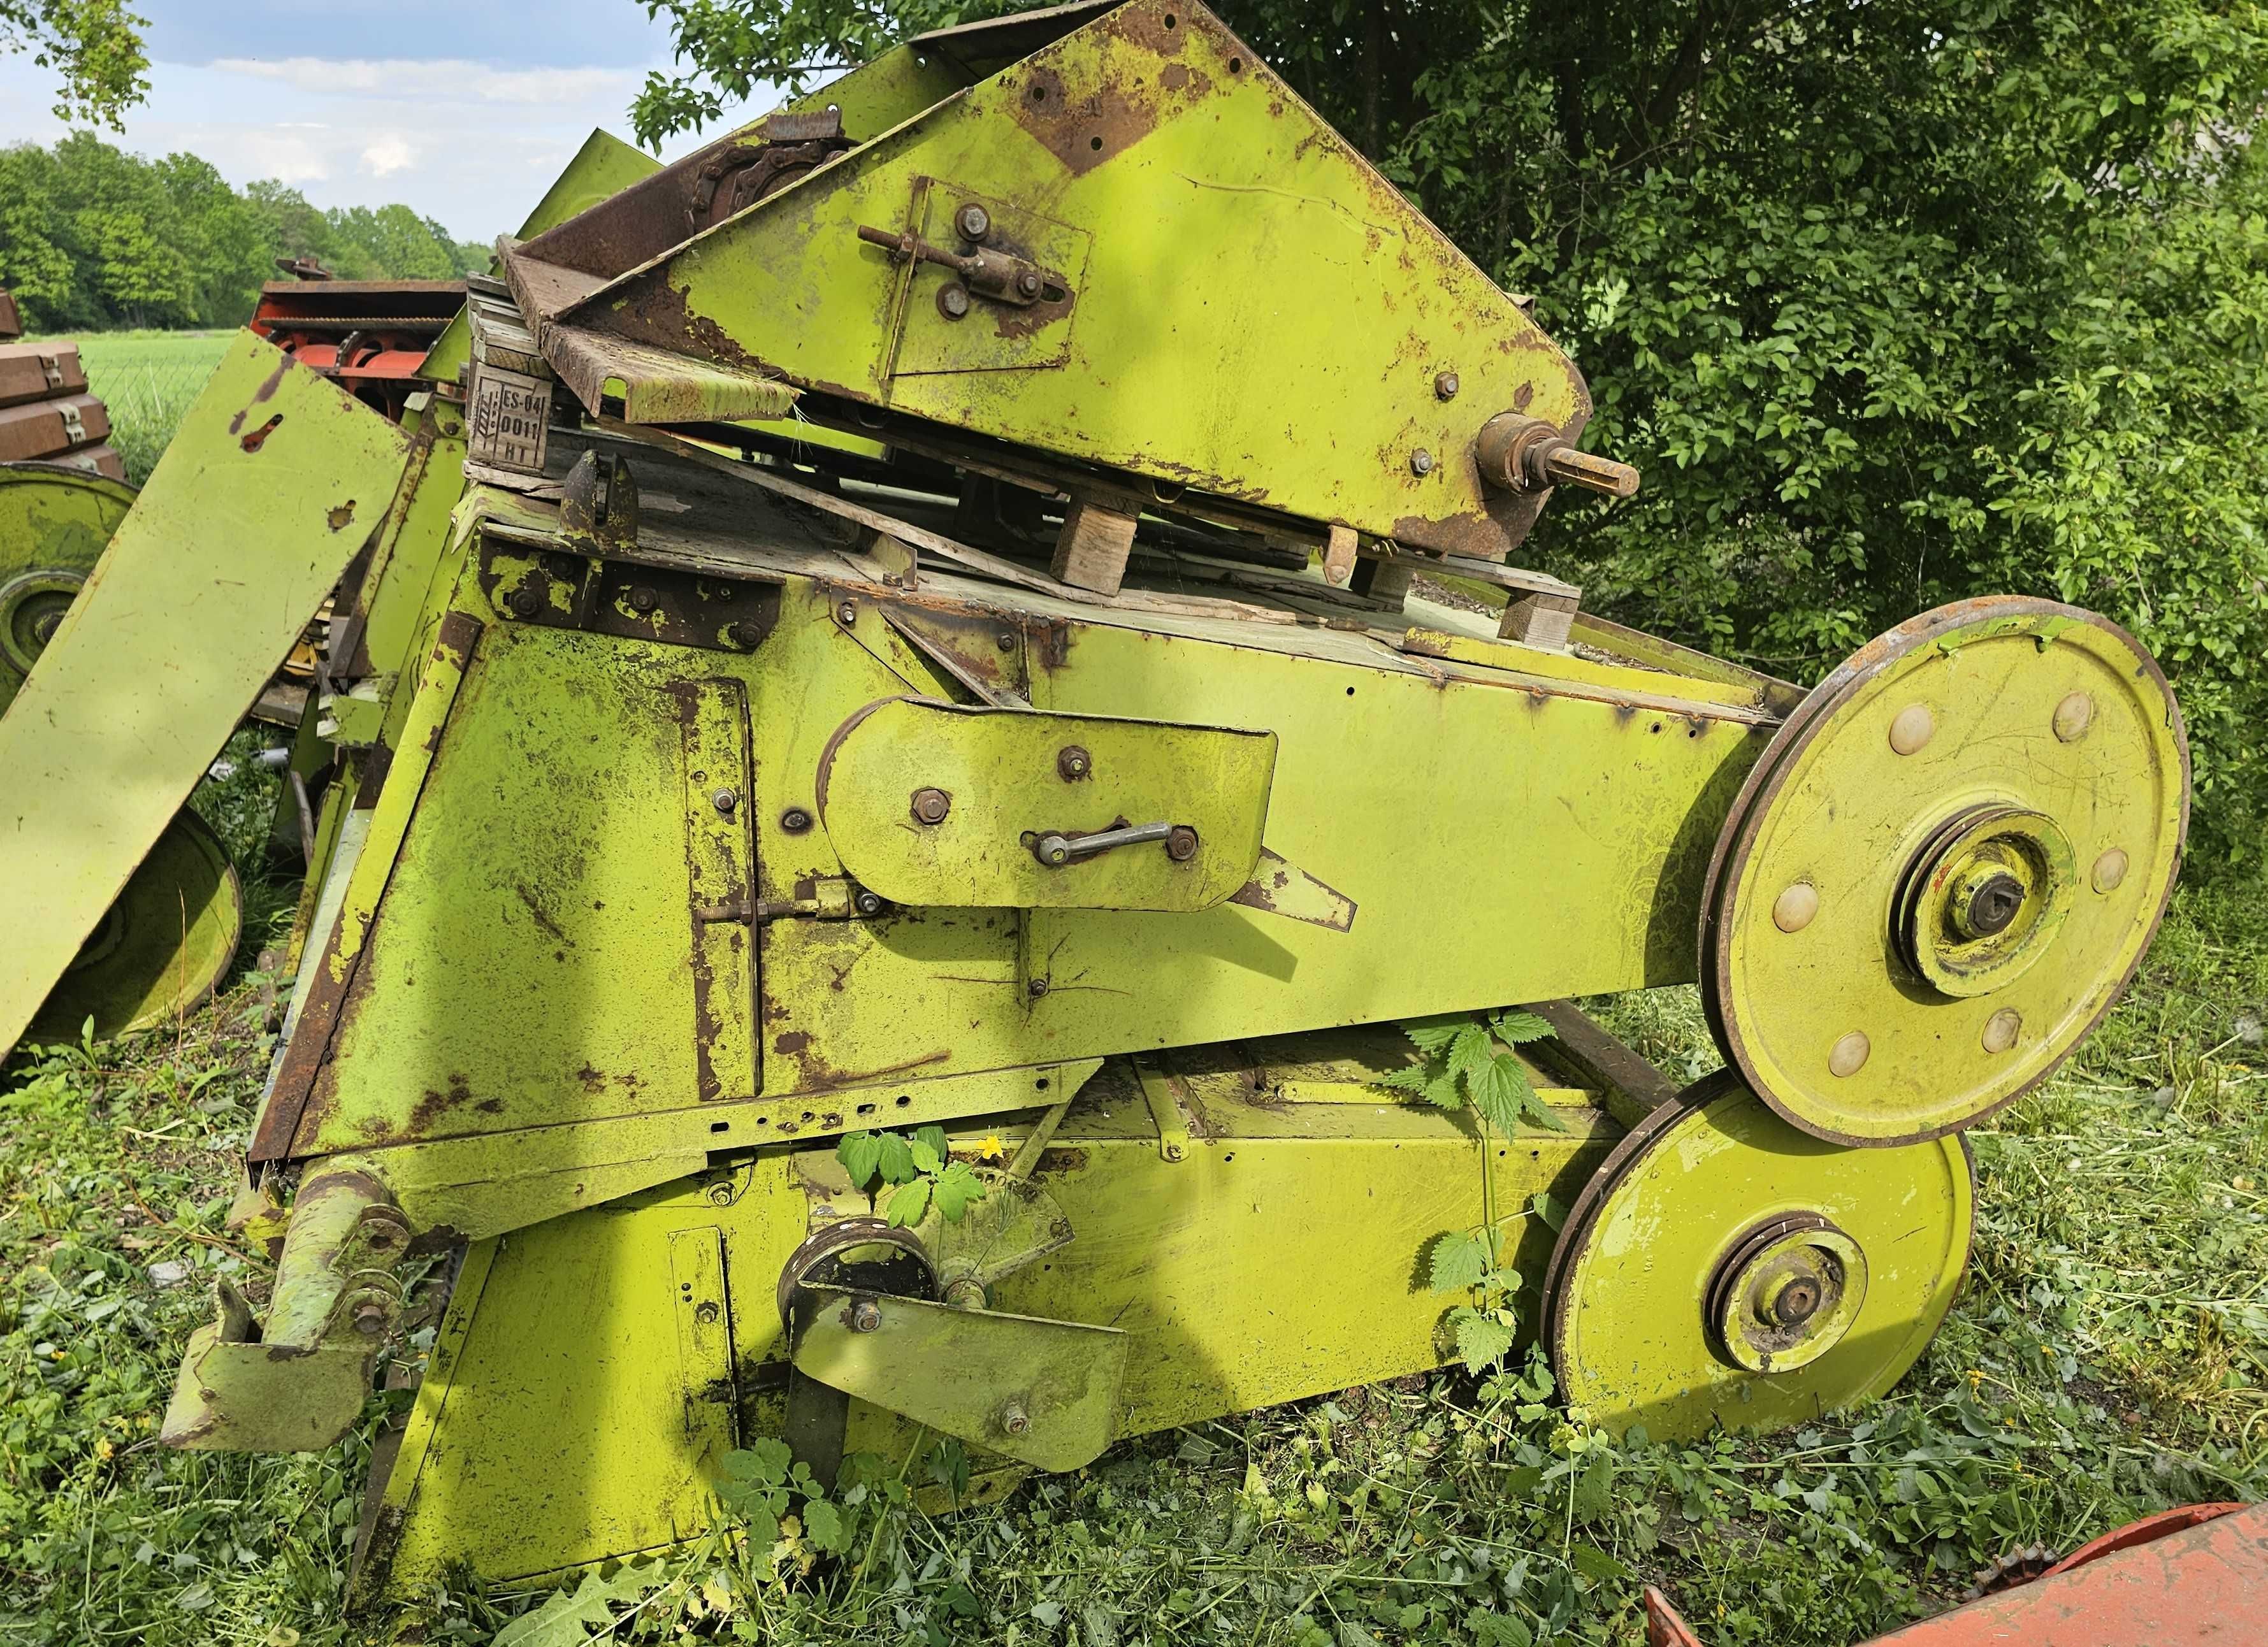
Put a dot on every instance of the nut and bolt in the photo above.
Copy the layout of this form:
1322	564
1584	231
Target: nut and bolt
1073	763
931	805
747	636
641	599
1027	284
974	222
526	601
1990	905
1006	640
952	300
1014	1420
720	1194
795	820
867	902
705	1312
1445	385
1038	987
866	1316
1797	1303
1421	463
724	801
1181	843
847	614
370	1317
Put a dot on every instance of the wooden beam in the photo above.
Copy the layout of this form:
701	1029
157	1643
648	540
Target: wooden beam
1091	550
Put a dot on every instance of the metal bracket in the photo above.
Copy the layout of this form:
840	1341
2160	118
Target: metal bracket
74	425
1163	1092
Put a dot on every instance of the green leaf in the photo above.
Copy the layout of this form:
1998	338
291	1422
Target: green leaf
1518	1028
1412	1079
562	1622
933	1137
1498	1629
861	1155
823	1524
765	1460
1434	1035
910	1203
926	1159
1482	1339
958	1188
1469	1052
1553	1215
1459	1261
1596	1565
1595	1490
1500	1091
897	1159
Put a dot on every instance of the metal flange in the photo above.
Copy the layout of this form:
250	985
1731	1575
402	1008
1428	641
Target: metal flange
1722	1267
1944	870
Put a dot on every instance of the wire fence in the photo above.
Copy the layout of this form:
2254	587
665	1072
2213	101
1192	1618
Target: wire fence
148	381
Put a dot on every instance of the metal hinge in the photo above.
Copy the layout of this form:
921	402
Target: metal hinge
51	367
73	424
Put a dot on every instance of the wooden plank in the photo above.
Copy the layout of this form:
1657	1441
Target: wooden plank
1538	620
1338	556
1091	550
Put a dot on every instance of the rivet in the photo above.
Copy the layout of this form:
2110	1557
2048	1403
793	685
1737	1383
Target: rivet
1421	463
1913	727
1848	1056
2002	1029
795	820
2074	716
2109	869
1792	909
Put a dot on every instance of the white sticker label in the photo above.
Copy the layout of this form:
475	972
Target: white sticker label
510	414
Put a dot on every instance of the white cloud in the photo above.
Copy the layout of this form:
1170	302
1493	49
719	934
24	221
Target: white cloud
443	77
389	154
278	152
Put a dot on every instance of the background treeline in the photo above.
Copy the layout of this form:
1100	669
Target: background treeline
93	237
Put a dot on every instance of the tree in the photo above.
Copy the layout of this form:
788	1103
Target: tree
95	47
1892	303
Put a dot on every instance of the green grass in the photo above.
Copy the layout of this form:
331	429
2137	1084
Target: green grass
2109	1355
148	380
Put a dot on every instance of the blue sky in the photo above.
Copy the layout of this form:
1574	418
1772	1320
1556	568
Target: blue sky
464	109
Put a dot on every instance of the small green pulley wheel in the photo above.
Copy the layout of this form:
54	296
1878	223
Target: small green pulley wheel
55	522
1944	870
1723	1268
163	946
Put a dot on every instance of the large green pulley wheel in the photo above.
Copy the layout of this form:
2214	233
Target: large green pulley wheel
1723	1268
55	522
164	946
1944	870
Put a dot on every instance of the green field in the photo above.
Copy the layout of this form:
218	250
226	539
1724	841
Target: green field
147	379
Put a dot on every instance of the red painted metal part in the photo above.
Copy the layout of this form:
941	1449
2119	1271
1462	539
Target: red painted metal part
372	335
2191	1577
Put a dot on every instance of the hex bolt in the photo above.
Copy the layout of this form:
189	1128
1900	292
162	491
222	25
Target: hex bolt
847	614
1181	843
724	801
1421	463
524	601
931	805
867	902
1027	284
952	300
1073	763
1445	385
747	636
1006	640
705	1312
1014	1420
370	1317
1038	987
866	1316
974	222
641	599
795	820
720	1194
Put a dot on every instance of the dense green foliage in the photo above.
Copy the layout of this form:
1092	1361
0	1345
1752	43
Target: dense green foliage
91	238
93	47
1893	304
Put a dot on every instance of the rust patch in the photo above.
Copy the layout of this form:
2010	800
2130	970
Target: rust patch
342	517
1060	1161
594	1083
433	1106
542	919
257	437
792	1044
272	383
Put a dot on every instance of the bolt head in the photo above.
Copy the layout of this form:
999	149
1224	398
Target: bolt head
370	1317
724	801
1029	284
1006	640
931	805
847	614
1014	1419
524	601
720	1194
953	301
641	599
1038	986
868	903
747	636
1181	843
1073	763
705	1312
795	820
1446	386
1421	463
866	1316
974	222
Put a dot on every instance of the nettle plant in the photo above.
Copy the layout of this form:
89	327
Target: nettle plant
1464	1067
918	1172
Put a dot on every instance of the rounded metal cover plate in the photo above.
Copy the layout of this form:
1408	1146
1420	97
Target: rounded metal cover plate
1851	1026
165	945
55	521
1629	1292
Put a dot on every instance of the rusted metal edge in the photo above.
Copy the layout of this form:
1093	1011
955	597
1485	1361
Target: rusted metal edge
1631	1087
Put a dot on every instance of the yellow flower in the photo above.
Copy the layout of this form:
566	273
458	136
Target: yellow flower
992	1148
103	1449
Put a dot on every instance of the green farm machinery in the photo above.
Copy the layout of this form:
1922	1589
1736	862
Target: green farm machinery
905	853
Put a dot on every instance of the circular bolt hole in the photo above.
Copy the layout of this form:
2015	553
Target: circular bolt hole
1038	94
795	820
1094	142
1039	986
1236	65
